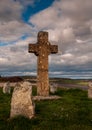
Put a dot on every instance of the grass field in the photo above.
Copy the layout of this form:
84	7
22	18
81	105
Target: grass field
69	81
72	112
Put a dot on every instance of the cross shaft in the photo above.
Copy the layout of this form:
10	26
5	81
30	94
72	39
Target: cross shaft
42	49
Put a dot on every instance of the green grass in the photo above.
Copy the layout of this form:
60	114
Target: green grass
72	112
69	81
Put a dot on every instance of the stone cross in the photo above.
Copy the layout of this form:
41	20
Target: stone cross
42	49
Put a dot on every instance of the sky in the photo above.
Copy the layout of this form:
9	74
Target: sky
69	24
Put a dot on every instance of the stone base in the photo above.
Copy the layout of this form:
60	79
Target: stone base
46	98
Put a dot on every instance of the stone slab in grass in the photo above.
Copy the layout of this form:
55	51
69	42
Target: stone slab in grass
52	97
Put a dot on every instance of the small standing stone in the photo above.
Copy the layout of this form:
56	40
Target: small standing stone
7	88
53	88
21	103
90	90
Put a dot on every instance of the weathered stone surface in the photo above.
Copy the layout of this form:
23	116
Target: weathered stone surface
90	90
53	88
12	84
6	88
42	49
38	98
22	103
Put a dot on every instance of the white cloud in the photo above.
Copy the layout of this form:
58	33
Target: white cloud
12	30
17	56
11	25
45	18
68	35
68	26
3	60
69	23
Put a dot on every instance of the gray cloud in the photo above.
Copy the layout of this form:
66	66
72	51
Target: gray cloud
27	2
11	25
77	10
10	10
69	23
15	58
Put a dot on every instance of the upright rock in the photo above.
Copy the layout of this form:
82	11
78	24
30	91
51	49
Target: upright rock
53	88
90	90
21	103
7	88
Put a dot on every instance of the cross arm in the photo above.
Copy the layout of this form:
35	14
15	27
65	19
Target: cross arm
53	49
33	48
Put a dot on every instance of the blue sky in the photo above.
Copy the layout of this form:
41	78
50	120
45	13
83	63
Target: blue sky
37	7
69	24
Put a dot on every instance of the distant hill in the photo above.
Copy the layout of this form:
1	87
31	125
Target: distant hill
11	79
